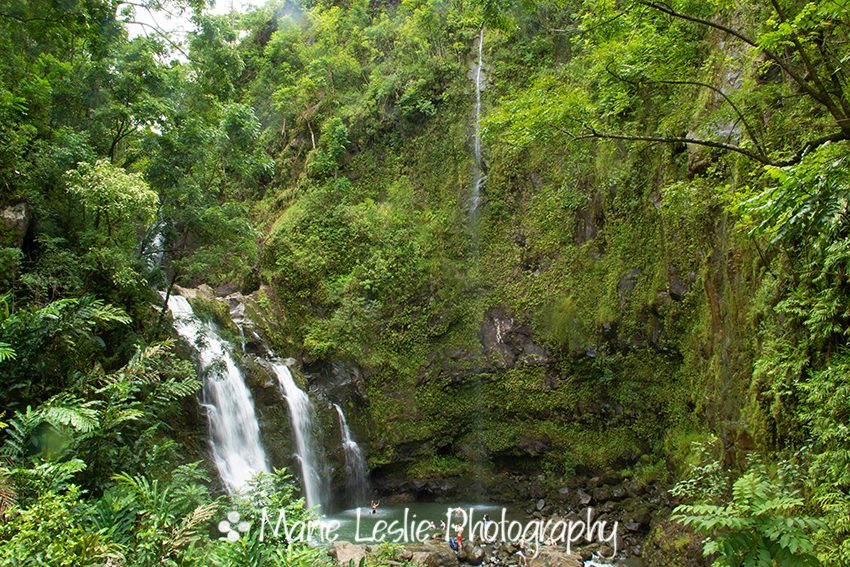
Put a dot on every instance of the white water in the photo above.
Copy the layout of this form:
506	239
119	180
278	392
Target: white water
301	416
154	249
356	473
234	431
477	175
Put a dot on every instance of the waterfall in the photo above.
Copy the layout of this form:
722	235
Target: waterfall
153	249
234	431
356	473
477	174
301	415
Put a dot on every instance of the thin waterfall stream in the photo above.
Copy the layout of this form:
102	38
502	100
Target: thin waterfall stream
477	171
356	472
301	415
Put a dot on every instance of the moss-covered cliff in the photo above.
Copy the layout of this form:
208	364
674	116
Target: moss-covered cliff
593	313
609	306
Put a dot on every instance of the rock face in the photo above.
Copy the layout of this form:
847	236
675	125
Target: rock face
16	221
627	285
589	220
339	381
508	341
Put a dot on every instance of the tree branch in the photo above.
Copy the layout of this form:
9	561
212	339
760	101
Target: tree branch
747	127
811	145
675	140
716	25
821	96
795	159
809	66
160	33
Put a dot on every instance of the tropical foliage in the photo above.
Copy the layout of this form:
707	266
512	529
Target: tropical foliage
664	223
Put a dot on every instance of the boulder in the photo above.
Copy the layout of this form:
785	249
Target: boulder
551	557
471	554
437	554
203	291
347	553
16	220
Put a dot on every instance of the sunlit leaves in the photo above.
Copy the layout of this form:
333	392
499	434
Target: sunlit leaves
112	195
549	109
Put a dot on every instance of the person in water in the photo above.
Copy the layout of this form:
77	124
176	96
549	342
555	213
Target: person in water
375	505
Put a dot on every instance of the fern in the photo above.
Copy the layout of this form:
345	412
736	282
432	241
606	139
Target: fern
113	514
760	526
8	494
6	352
151	499
187	530
20	428
62	411
29	483
67	410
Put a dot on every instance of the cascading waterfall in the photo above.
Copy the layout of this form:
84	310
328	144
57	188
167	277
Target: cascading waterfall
234	430
477	172
301	415
356	473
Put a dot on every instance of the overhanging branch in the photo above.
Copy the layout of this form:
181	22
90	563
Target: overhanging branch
819	94
741	117
676	140
755	156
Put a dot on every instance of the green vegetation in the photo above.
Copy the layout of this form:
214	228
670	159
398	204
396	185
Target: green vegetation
761	525
661	256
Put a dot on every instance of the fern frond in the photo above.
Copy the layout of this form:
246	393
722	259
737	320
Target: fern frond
18	432
6	352
70	411
153	500
186	531
8	494
45	477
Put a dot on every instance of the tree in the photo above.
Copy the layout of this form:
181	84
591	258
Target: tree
116	198
806	41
